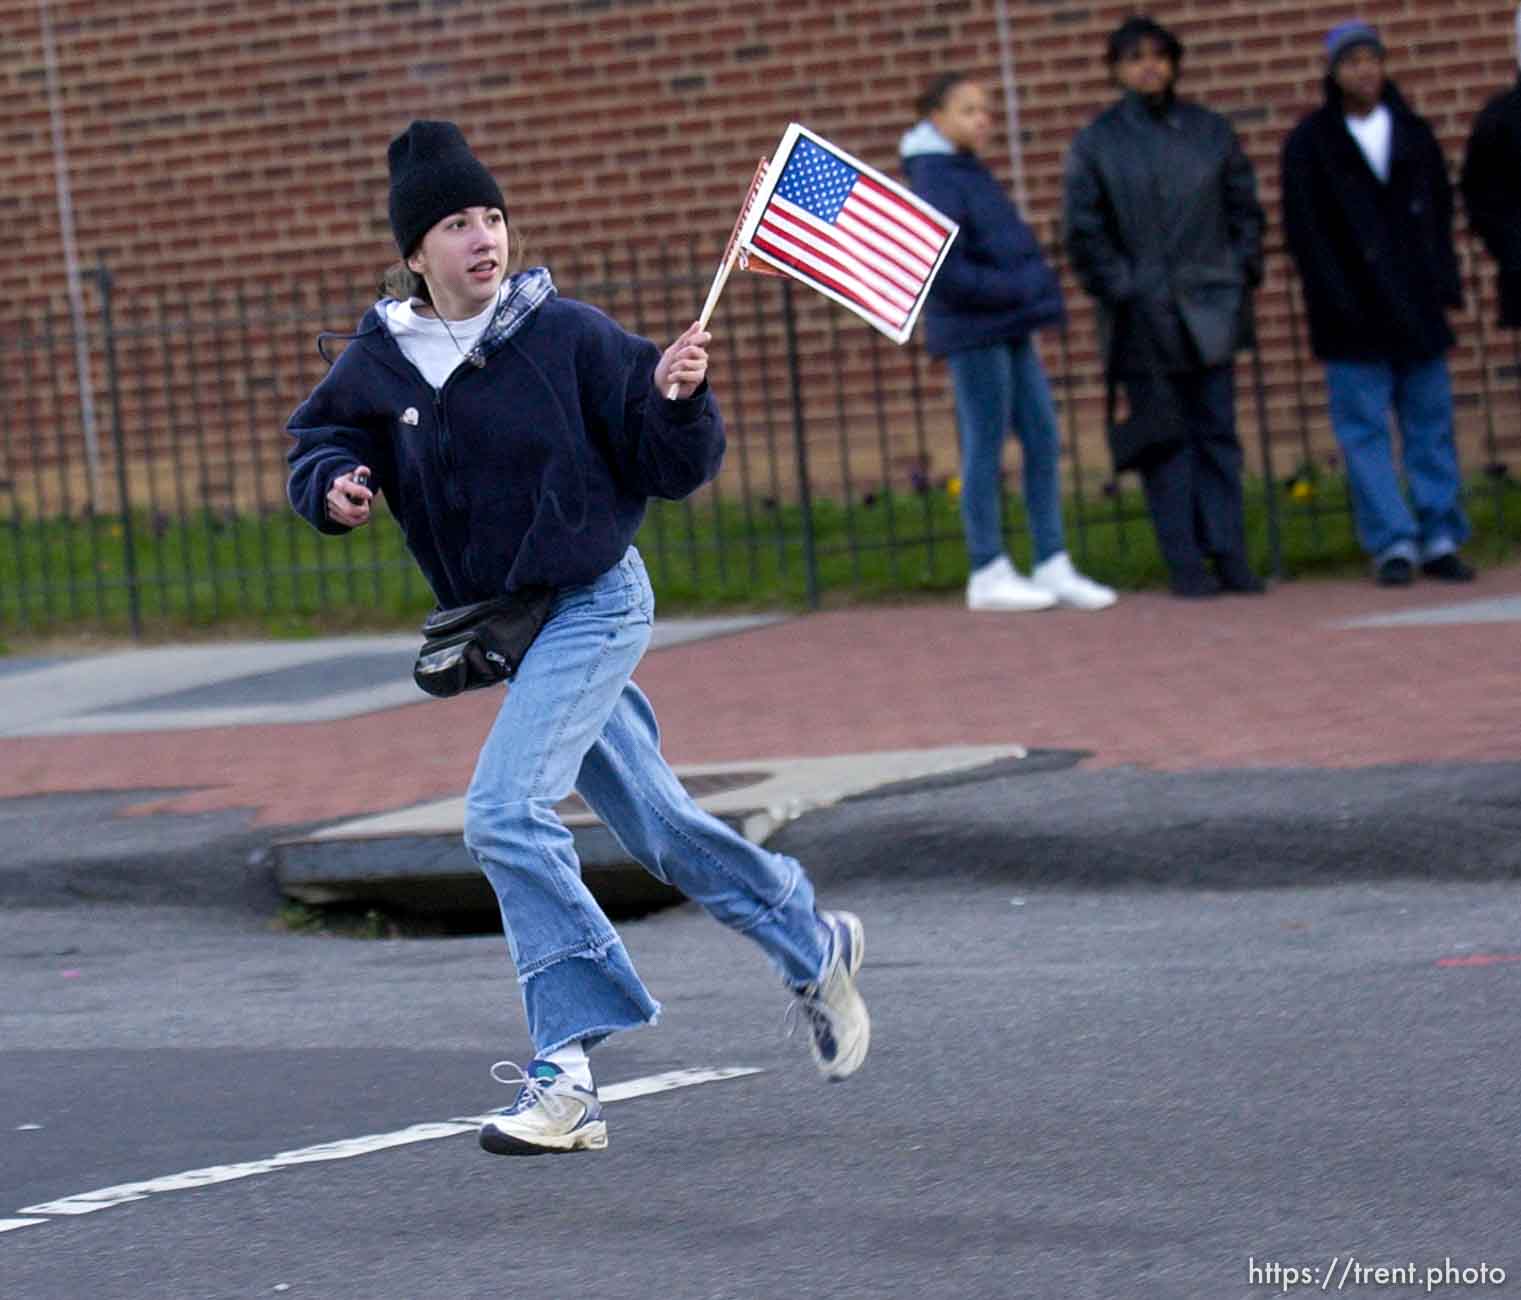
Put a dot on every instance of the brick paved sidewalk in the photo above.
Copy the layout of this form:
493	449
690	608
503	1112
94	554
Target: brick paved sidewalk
1157	682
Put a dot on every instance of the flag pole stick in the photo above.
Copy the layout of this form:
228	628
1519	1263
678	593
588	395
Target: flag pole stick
731	255
719	280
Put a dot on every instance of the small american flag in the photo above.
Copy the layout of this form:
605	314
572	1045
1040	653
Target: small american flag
833	222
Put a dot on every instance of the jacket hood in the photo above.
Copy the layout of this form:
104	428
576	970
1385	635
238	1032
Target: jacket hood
523	293
924	139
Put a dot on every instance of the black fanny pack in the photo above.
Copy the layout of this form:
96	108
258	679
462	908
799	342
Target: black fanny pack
471	646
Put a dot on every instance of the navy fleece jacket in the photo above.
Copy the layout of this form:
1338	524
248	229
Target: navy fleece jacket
533	470
994	286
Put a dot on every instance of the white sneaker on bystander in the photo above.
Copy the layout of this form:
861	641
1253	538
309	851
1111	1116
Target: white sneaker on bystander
1067	586
998	585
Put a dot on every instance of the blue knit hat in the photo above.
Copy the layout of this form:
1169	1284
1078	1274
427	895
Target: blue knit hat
1345	37
433	173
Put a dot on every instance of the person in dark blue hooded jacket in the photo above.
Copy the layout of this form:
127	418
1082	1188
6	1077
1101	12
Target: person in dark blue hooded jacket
516	436
993	292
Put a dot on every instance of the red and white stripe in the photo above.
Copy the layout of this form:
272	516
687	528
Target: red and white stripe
879	253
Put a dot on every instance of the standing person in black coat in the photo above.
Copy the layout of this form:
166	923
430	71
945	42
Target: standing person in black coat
1164	230
1367	211
994	290
1492	189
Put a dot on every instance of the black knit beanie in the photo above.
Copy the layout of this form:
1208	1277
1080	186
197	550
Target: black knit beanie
433	173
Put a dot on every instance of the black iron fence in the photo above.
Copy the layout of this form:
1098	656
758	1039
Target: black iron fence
142	467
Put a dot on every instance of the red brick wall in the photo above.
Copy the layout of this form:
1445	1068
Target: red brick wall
223	142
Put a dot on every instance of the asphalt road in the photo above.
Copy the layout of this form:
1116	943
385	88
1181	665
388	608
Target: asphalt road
1134	1036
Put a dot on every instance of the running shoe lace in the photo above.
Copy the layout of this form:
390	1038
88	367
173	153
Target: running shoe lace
807	1006
533	1090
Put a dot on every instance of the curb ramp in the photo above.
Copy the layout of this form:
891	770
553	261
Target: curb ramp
414	859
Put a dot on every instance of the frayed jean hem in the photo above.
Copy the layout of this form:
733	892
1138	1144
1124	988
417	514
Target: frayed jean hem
583	995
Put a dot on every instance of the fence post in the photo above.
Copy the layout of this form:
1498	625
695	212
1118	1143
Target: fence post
800	447
1074	452
1265	438
1491	443
113	384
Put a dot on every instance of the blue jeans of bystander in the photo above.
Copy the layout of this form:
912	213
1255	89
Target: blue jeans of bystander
574	720
1420	393
997	386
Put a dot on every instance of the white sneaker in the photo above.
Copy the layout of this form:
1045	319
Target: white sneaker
833	1007
552	1113
1066	585
999	586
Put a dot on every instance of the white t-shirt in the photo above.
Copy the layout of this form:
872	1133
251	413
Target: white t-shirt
1373	134
425	340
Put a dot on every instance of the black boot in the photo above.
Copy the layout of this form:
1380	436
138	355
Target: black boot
1236	576
1449	568
1194	584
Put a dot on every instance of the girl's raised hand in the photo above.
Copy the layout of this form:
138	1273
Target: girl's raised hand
684	365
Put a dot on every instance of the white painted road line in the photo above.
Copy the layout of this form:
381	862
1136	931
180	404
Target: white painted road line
345	1149
10	1225
653	1083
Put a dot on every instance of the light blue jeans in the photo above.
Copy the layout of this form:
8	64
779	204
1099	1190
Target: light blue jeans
1420	394
997	386
573	720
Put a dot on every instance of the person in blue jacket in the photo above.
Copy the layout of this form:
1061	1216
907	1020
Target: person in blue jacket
517	436
993	292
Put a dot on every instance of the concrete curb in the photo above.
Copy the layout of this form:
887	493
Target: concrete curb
416	859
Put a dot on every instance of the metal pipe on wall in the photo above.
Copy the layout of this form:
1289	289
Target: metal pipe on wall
71	257
1011	101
